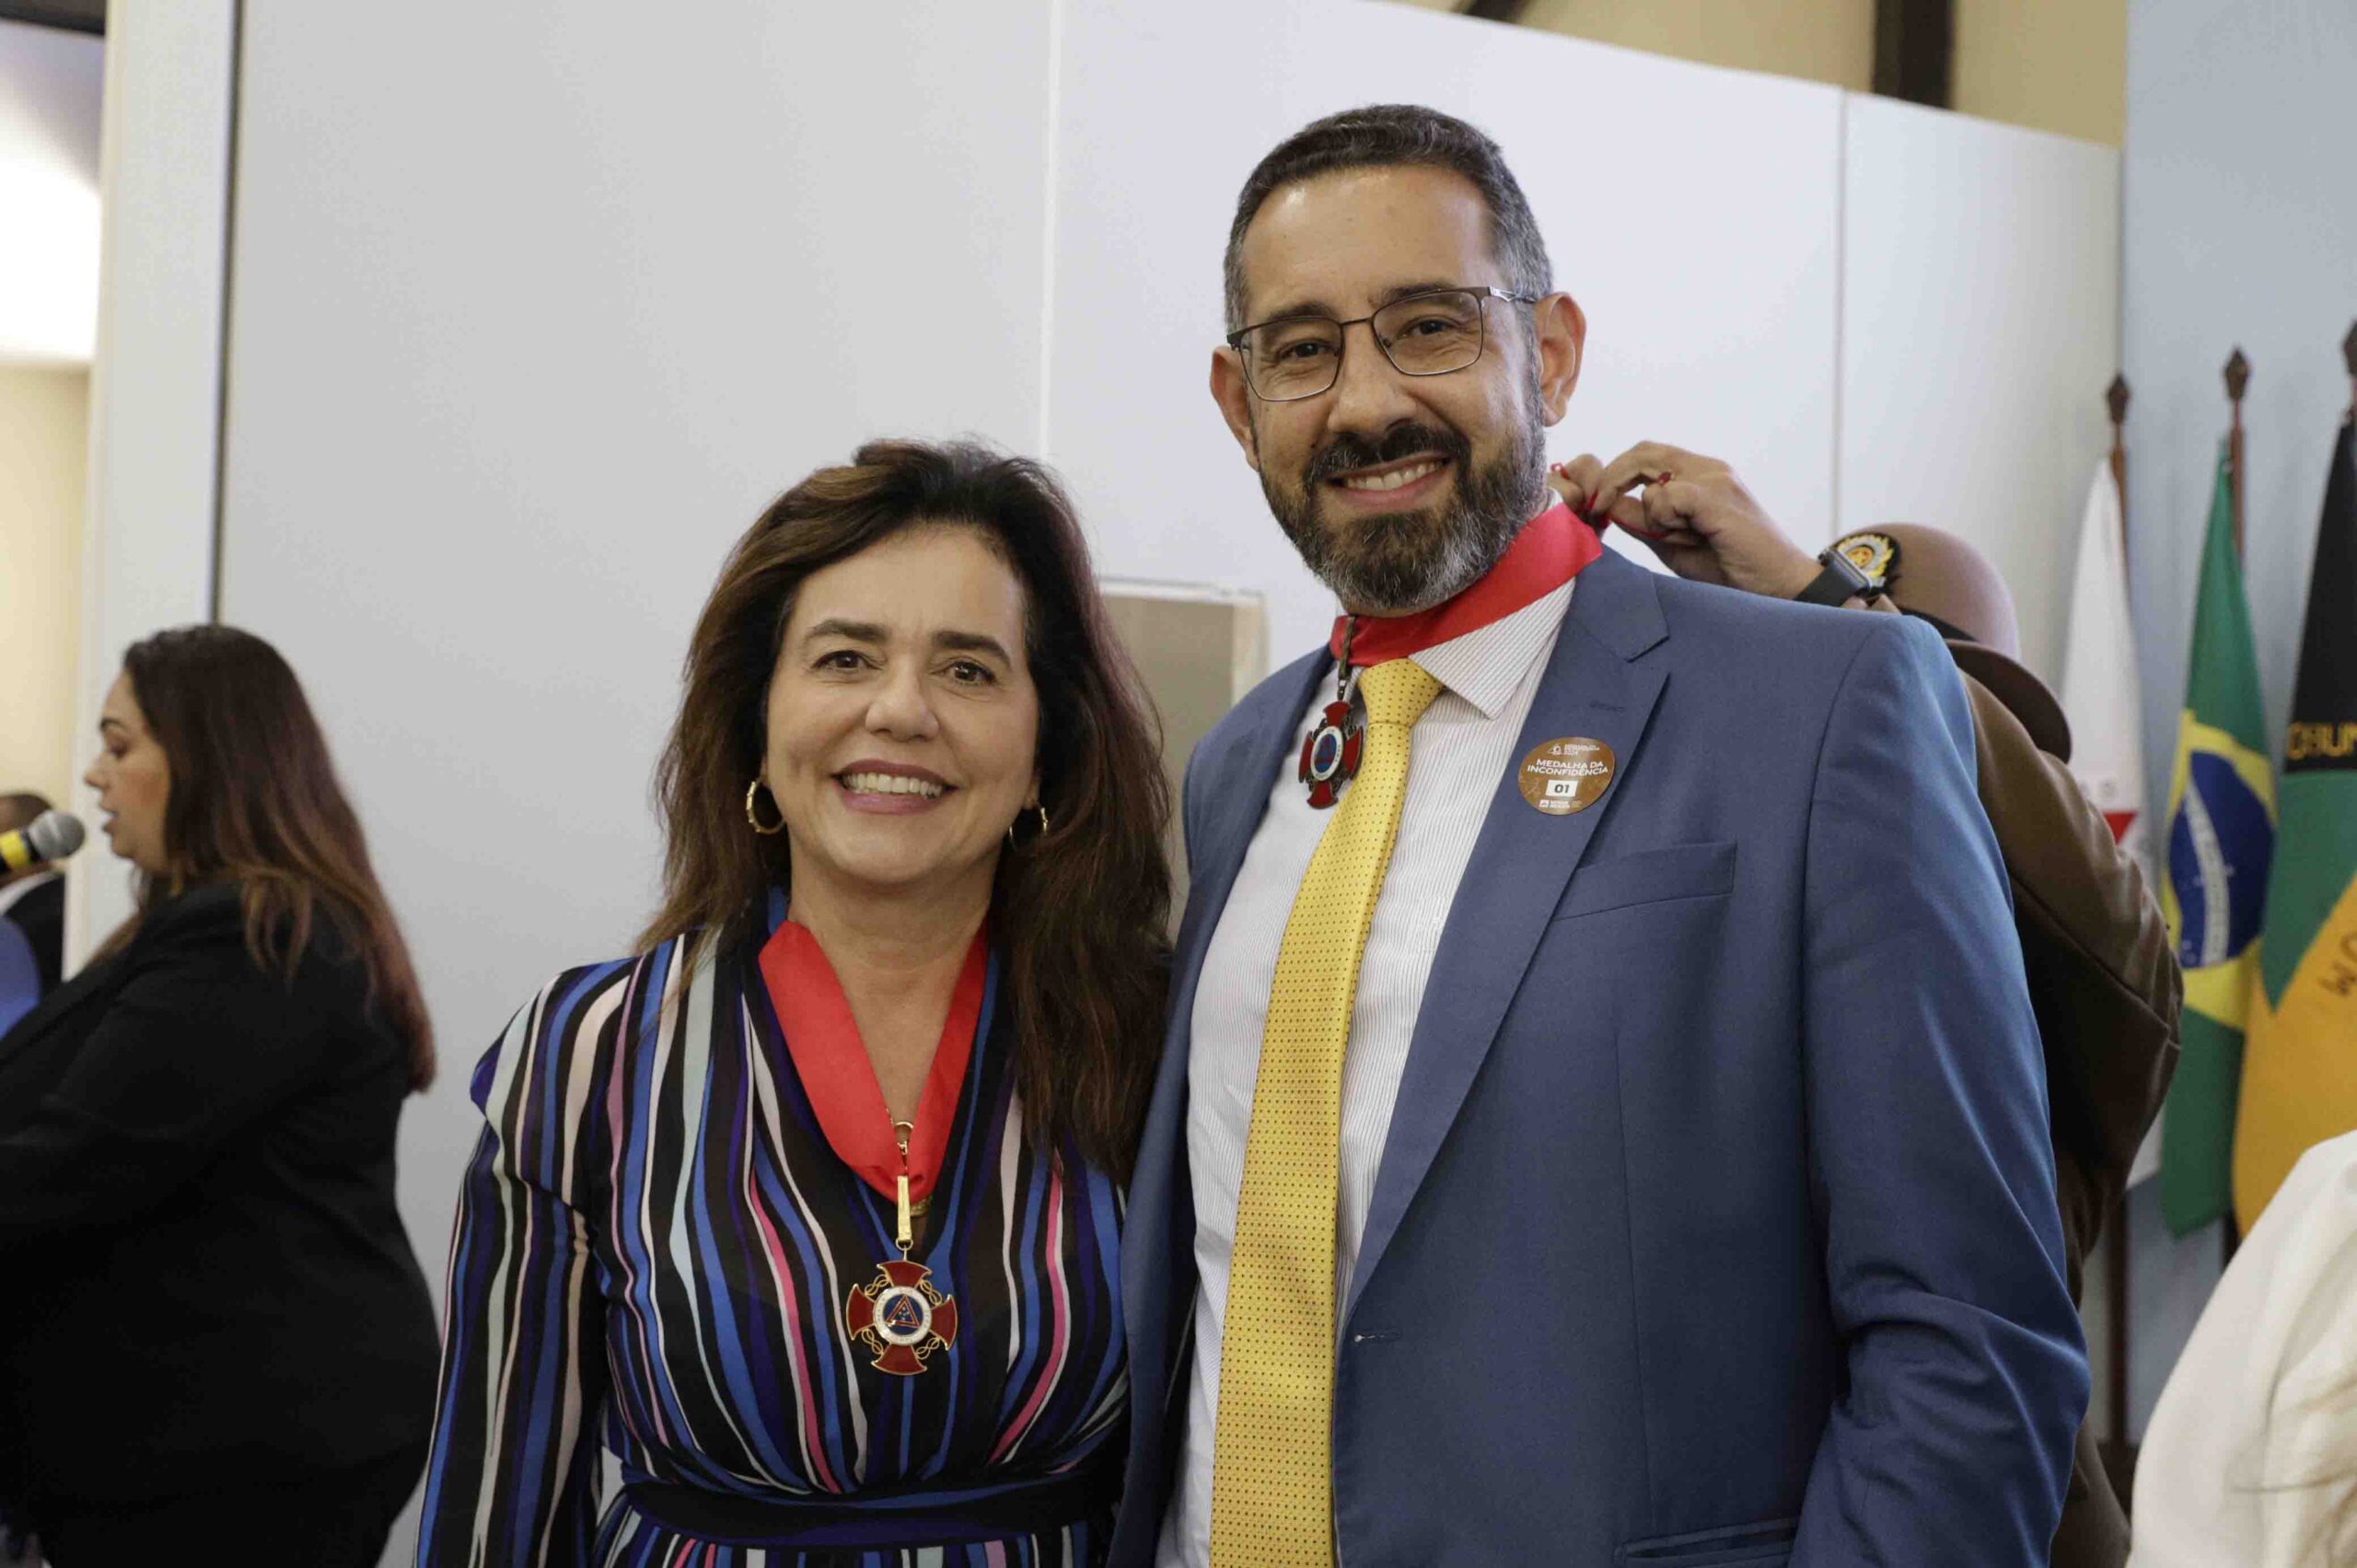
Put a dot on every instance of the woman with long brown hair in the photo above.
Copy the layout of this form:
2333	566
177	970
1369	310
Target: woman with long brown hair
216	1340
813	1207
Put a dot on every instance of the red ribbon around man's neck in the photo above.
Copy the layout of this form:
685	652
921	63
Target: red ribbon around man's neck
1554	548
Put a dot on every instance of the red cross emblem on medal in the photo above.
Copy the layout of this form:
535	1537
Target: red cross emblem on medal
900	1318
1330	757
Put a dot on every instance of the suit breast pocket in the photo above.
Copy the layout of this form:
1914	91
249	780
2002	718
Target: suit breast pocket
1650	877
1763	1545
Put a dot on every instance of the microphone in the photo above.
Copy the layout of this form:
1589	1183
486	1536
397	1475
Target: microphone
52	835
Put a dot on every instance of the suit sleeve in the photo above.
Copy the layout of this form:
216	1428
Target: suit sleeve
197	1045
1929	1160
514	1473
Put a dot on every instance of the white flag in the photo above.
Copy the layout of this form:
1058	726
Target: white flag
2102	700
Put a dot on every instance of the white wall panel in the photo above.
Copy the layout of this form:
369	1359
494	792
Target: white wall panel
1693	211
49	93
1980	325
156	381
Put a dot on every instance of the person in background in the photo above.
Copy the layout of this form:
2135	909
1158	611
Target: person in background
1602	1118
216	1344
2102	974
2251	1457
21	988
812	1209
33	900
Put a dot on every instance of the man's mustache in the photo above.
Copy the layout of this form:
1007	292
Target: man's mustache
1347	452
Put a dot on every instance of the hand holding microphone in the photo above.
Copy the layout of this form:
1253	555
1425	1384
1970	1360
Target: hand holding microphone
52	835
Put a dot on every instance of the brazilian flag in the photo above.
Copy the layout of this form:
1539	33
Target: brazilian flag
2300	1077
2221	834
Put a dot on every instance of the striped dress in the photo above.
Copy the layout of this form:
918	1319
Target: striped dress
656	1243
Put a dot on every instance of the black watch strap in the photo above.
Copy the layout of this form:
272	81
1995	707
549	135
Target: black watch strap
1838	583
1857	566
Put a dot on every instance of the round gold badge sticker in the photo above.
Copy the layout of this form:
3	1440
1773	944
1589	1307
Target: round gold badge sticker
1564	776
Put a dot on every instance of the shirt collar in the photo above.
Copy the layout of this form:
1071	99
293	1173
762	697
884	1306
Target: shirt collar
1487	665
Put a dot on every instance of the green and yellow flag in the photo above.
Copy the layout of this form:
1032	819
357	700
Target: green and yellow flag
2221	832
2300	1075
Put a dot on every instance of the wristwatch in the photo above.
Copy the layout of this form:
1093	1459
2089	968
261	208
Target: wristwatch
1856	566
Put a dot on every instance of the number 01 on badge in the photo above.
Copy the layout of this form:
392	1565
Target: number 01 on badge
1560	777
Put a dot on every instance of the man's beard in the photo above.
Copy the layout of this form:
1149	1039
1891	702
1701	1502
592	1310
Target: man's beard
1399	562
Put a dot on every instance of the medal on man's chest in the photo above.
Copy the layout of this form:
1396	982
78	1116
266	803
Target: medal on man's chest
1330	757
901	1319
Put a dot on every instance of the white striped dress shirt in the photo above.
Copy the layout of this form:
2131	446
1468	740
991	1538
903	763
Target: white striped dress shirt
1461	746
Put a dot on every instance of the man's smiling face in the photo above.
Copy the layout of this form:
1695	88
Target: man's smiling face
1399	491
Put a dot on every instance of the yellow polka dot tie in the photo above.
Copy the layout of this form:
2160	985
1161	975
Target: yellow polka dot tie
1271	1478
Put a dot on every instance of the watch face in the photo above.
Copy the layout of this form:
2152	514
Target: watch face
1873	555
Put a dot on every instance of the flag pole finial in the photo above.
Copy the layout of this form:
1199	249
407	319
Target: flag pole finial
2348	357
2237	379
2114	398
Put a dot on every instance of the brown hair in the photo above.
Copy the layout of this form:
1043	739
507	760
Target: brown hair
1394	135
19	807
254	802
1079	911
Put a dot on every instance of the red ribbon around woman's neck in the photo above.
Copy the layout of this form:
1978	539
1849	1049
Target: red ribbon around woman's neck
824	1040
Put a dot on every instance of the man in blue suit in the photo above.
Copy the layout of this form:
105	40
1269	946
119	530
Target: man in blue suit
1685	1146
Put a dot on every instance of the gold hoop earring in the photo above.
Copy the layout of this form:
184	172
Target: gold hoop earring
751	790
1043	820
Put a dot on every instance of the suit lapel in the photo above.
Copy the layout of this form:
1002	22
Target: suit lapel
1159	1244
1596	688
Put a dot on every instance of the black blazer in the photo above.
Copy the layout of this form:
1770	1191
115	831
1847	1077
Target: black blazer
41	915
204	1280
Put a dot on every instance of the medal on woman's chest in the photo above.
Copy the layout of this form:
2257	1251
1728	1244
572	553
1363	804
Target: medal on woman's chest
898	1315
1330	757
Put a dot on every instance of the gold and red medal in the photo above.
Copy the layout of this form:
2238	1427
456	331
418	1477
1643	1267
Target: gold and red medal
900	1318
898	1315
1330	757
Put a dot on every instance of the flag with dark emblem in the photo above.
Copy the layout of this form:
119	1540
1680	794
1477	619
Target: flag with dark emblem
2300	1072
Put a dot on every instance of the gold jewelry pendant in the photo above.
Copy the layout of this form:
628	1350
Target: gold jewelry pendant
900	1318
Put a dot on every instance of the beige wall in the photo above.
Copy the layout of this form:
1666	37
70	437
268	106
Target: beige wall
1823	41
2058	65
44	419
2049	64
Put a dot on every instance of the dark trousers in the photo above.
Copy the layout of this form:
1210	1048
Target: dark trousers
333	1520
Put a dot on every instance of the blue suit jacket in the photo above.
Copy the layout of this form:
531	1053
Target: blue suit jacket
1716	1223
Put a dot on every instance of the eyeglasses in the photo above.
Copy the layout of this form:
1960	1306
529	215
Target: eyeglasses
1421	334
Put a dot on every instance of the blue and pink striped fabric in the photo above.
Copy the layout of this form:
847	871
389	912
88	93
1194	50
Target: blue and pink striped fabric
656	1241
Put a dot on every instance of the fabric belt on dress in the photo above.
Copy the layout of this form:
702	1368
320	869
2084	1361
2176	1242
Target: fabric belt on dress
881	1518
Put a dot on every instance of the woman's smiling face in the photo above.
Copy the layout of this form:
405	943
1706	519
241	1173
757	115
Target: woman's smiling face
902	722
